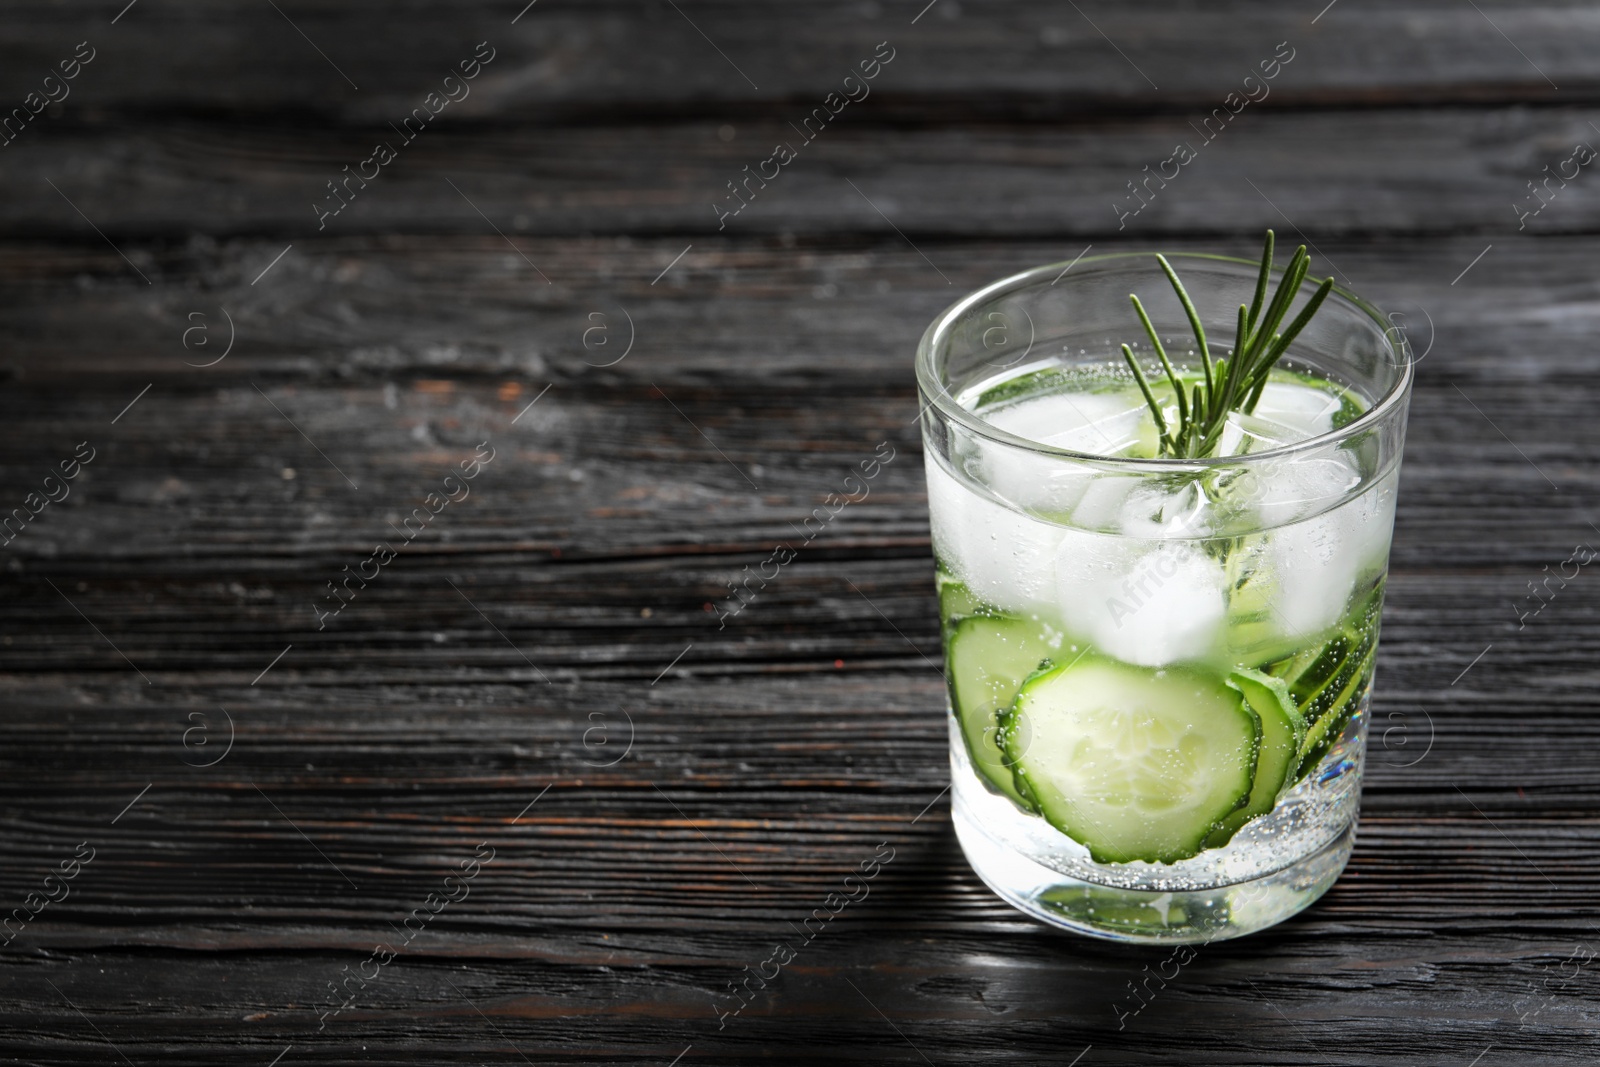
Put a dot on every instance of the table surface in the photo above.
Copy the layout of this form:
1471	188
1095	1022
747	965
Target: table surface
529	731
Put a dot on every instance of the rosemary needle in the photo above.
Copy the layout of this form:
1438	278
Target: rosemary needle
1228	384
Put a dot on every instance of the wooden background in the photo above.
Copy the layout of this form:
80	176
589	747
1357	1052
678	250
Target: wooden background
695	791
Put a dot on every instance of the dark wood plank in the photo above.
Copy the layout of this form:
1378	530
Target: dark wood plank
1442	171
372	63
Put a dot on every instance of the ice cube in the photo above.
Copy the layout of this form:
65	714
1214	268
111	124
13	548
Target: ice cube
1311	568
1046	485
1296	579
1243	434
1297	487
1311	555
1174	507
1093	423
1143	602
1369	523
1102	503
1314	572
1287	413
1004	557
1100	424
1294	412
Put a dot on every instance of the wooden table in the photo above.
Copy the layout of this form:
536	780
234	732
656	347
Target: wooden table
527	731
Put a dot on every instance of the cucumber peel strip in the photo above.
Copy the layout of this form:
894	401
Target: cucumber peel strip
1283	732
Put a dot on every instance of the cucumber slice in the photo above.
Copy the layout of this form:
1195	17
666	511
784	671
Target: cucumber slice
956	601
1114	908
1282	731
1254	636
1132	763
1327	682
989	658
1308	672
1356	678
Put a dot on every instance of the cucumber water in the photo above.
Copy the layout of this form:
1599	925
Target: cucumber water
1163	671
1161	491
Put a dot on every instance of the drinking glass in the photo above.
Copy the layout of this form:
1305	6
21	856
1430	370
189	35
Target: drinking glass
1159	669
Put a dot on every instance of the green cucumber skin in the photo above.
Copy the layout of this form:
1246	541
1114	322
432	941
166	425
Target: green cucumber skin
1330	682
956	602
1282	734
980	648
1325	732
1173	842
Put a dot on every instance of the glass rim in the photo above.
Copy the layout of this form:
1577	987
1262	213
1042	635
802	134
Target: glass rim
936	395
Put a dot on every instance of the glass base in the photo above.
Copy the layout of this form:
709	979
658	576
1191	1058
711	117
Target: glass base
1146	915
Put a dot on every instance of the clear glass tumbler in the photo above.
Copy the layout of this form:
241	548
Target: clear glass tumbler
1159	669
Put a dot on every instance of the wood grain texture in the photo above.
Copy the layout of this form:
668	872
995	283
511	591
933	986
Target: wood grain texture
1443	171
565	60
695	790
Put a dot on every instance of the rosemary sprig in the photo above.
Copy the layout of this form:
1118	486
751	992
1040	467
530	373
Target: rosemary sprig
1227	384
